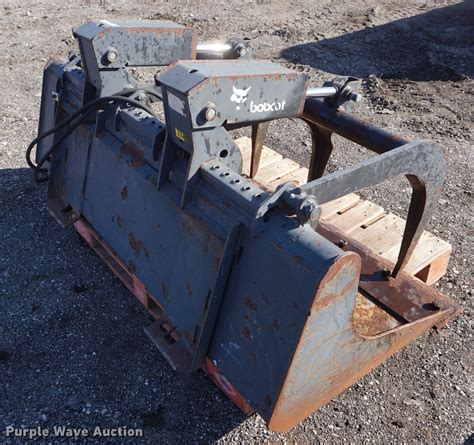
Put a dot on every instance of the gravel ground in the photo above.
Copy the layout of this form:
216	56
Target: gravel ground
72	348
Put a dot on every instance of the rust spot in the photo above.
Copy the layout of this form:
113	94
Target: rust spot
189	289
227	388
135	153
119	221
124	193
276	325
299	260
131	267
248	301
326	297
278	245
245	332
253	356
370	319
137	245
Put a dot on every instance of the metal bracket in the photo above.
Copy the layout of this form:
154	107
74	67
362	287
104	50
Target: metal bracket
422	162
345	91
270	203
109	46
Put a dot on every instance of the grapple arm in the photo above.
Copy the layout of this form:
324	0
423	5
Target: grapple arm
422	162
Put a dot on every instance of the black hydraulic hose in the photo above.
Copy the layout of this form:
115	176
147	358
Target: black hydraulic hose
37	168
88	109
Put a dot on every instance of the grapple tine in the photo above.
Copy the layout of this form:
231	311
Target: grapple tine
322	147
259	132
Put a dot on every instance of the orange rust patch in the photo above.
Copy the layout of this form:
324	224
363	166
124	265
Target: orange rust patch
248	301
137	245
135	153
245	332
226	387
369	319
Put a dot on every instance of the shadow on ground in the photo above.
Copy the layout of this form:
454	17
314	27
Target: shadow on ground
437	45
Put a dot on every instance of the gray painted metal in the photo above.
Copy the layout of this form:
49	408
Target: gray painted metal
238	278
132	43
51	77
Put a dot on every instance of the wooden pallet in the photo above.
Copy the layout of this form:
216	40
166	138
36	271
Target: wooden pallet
360	219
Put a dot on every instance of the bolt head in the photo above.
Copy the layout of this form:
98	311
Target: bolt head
112	55
342	243
242	51
210	113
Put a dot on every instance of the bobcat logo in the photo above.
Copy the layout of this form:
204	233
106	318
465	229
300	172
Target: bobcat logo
239	96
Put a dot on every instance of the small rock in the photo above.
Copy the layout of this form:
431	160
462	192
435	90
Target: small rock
4	356
79	288
72	402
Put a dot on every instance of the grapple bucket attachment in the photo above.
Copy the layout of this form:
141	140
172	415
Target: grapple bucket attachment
282	309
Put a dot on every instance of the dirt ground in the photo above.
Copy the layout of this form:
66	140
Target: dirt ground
72	348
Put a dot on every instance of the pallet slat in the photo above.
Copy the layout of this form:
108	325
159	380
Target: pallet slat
381	235
276	170
431	252
339	205
267	158
298	177
364	213
362	220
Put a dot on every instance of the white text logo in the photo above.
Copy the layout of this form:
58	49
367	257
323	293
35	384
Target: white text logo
239	96
260	108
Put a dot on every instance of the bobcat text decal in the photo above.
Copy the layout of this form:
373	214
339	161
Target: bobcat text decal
239	96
